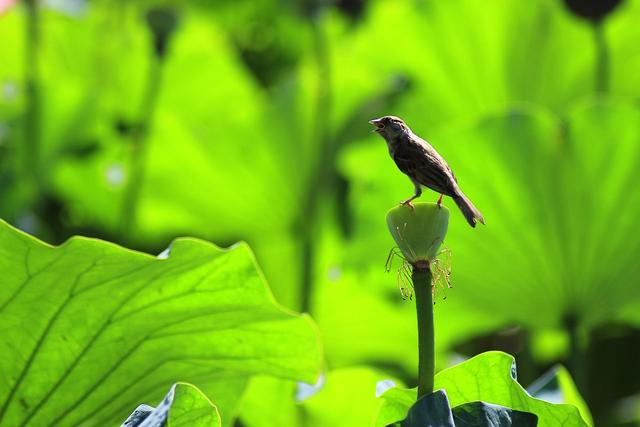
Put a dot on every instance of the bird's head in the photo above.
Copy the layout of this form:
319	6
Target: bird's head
389	126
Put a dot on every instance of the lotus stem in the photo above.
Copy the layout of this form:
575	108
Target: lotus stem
426	338
419	232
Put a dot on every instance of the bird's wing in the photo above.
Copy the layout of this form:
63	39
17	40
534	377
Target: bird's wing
437	157
424	165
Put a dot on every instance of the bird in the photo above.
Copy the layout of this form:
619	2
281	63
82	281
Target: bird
417	159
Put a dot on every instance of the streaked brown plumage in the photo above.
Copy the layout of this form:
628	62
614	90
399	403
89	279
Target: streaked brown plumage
416	158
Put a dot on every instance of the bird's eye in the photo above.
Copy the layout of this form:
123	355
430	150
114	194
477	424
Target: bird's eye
380	125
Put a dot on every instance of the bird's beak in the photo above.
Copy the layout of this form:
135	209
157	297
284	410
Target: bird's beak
378	124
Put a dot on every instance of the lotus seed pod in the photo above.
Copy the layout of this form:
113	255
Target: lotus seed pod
419	231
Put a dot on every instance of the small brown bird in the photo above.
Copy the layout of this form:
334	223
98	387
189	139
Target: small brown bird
417	159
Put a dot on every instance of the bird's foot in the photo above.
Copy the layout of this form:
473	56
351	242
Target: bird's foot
439	202
407	203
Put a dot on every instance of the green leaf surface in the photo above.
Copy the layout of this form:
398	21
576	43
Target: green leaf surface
489	377
396	404
191	408
91	328
183	406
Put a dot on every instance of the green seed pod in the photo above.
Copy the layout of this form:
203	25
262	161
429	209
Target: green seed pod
418	232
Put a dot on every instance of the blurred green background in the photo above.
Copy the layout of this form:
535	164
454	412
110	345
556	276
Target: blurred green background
247	120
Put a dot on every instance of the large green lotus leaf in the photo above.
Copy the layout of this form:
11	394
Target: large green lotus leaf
90	328
183	406
560	207
468	58
488	377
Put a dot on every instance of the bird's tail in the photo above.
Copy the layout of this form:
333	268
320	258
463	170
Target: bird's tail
470	212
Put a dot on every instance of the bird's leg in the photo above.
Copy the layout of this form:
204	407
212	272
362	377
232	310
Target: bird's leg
439	202
417	194
408	202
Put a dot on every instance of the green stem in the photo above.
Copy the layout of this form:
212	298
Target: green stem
32	114
321	177
139	148
426	338
602	57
